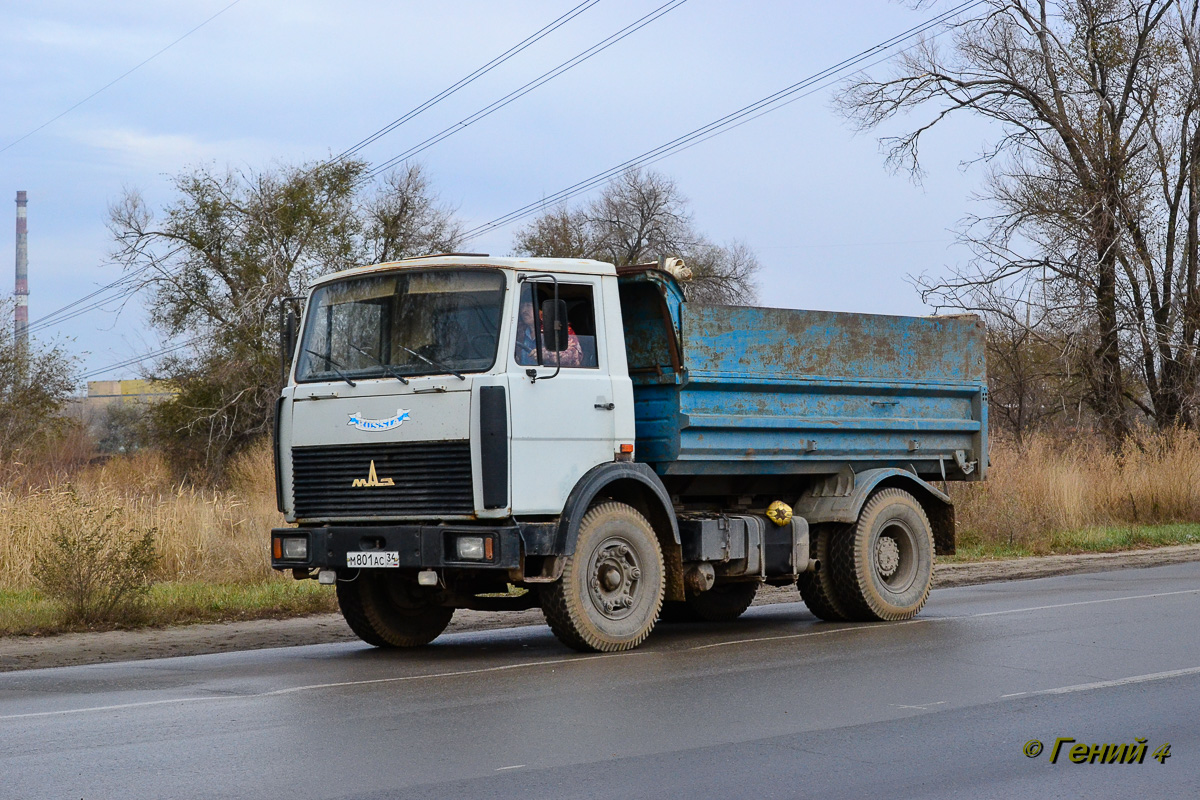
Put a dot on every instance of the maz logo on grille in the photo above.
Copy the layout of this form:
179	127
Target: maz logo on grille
372	479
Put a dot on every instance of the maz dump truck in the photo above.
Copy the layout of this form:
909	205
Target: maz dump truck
462	431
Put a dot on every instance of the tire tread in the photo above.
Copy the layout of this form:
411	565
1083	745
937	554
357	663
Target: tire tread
818	589
848	584
563	608
367	614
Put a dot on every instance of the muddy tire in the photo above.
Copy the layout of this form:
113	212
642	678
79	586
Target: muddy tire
722	603
611	590
817	589
883	566
386	610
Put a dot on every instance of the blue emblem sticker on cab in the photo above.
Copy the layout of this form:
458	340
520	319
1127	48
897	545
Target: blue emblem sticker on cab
363	424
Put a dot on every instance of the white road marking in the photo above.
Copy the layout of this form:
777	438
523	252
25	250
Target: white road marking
514	766
1080	603
1085	687
316	686
811	633
948	618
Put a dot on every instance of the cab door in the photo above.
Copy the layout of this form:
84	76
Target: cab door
562	415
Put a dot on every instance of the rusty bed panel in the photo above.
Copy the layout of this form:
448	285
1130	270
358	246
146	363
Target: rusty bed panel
767	390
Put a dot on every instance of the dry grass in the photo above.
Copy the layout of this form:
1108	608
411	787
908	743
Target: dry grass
1057	495
202	534
1050	496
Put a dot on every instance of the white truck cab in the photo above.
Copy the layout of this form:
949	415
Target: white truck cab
399	358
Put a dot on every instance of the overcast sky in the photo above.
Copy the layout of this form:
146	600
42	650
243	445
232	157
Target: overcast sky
269	81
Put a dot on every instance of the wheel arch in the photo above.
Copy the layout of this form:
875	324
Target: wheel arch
840	498
637	486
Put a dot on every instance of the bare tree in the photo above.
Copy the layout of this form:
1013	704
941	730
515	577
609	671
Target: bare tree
1096	102
404	219
722	275
642	216
558	233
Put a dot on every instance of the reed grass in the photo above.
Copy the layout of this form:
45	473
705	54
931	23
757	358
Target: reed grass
217	535
1054	494
1051	495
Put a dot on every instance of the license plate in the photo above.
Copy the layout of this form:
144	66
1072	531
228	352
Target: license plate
373	558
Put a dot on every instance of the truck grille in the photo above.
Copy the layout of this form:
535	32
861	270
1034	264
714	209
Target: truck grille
427	478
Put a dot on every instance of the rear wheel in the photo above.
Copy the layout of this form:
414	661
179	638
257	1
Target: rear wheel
817	588
386	609
611	590
722	603
883	566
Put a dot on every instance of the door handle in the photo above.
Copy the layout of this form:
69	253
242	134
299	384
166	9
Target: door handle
605	406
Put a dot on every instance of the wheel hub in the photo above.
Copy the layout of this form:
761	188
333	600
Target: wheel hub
610	577
887	556
615	577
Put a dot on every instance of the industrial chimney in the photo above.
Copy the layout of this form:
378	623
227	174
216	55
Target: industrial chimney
21	310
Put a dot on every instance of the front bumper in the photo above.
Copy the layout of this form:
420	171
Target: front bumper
418	546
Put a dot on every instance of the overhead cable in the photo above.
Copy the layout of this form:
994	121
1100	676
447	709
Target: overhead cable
723	124
486	68
542	79
138	359
120	77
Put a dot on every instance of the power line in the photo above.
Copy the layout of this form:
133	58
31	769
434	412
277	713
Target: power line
138	359
545	77
486	68
832	80
55	318
50	318
120	77
723	124
772	102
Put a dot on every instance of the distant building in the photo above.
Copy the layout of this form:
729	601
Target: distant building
93	407
101	394
112	411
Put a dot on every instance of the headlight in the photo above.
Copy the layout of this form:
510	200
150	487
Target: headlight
470	548
294	548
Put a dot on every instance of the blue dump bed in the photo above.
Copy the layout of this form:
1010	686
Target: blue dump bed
730	390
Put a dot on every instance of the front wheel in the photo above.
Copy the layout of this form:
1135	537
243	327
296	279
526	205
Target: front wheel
611	589
883	566
386	609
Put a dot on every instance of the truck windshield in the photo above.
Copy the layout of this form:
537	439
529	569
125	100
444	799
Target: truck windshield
449	317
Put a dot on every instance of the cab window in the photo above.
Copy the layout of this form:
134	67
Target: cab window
530	349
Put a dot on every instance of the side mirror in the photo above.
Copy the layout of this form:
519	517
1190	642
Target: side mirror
554	325
287	342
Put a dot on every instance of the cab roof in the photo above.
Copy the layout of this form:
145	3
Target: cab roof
571	266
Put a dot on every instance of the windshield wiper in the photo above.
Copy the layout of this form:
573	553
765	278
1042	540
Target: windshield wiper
382	365
336	366
432	363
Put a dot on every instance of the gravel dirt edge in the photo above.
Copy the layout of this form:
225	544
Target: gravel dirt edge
73	649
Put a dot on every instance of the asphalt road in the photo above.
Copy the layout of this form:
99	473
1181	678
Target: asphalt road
775	705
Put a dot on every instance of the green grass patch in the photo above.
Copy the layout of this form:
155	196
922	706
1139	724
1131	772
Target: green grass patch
28	612
1108	539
